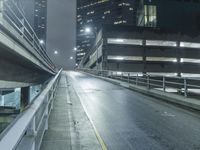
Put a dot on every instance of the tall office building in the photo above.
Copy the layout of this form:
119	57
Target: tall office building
94	13
36	13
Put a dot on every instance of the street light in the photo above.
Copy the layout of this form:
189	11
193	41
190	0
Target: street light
55	52
41	41
87	30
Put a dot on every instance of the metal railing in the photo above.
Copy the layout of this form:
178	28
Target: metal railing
188	87
27	130
21	29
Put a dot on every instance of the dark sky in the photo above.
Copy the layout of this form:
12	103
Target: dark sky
61	31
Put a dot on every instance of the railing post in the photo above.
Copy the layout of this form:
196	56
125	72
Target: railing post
185	87
164	88
22	28
128	77
31	132
148	82
137	79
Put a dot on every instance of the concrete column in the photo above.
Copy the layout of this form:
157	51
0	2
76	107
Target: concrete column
1	100
25	97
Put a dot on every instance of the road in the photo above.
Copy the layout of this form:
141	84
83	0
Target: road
127	120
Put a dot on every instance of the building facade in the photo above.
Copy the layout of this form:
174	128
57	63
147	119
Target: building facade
145	50
36	13
94	13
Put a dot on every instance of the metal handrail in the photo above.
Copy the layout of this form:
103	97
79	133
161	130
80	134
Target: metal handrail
181	84
26	128
16	18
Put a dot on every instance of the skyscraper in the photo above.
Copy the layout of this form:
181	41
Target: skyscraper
36	13
94	13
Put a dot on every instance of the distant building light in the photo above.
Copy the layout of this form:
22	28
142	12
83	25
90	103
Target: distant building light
175	60
120	40
75	49
189	45
124	41
71	58
161	43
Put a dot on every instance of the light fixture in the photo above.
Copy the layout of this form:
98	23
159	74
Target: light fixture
182	60
119	40
41	41
175	60
87	30
119	58
71	57
55	52
75	49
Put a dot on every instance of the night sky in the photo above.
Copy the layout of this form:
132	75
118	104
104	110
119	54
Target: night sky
61	28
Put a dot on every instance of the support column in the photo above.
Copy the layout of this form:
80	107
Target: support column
1	99
25	97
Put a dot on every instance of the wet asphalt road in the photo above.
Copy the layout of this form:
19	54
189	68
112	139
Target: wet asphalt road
127	120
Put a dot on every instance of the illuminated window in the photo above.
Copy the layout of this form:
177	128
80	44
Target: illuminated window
124	41
189	45
150	15
160	43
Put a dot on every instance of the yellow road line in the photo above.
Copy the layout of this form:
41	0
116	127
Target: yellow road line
102	143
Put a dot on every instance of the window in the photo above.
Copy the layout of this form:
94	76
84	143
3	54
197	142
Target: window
150	16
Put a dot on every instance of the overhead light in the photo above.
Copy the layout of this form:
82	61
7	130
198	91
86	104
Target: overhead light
175	60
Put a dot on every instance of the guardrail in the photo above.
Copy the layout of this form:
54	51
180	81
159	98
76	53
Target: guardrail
27	130
11	15
179	85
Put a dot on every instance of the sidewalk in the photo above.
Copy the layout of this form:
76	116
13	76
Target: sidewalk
69	127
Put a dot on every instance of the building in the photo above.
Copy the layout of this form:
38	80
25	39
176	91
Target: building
94	13
180	15
36	13
145	50
40	19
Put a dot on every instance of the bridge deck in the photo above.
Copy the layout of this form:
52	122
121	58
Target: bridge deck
120	119
129	120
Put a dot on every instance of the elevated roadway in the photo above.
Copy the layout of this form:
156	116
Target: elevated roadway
129	120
